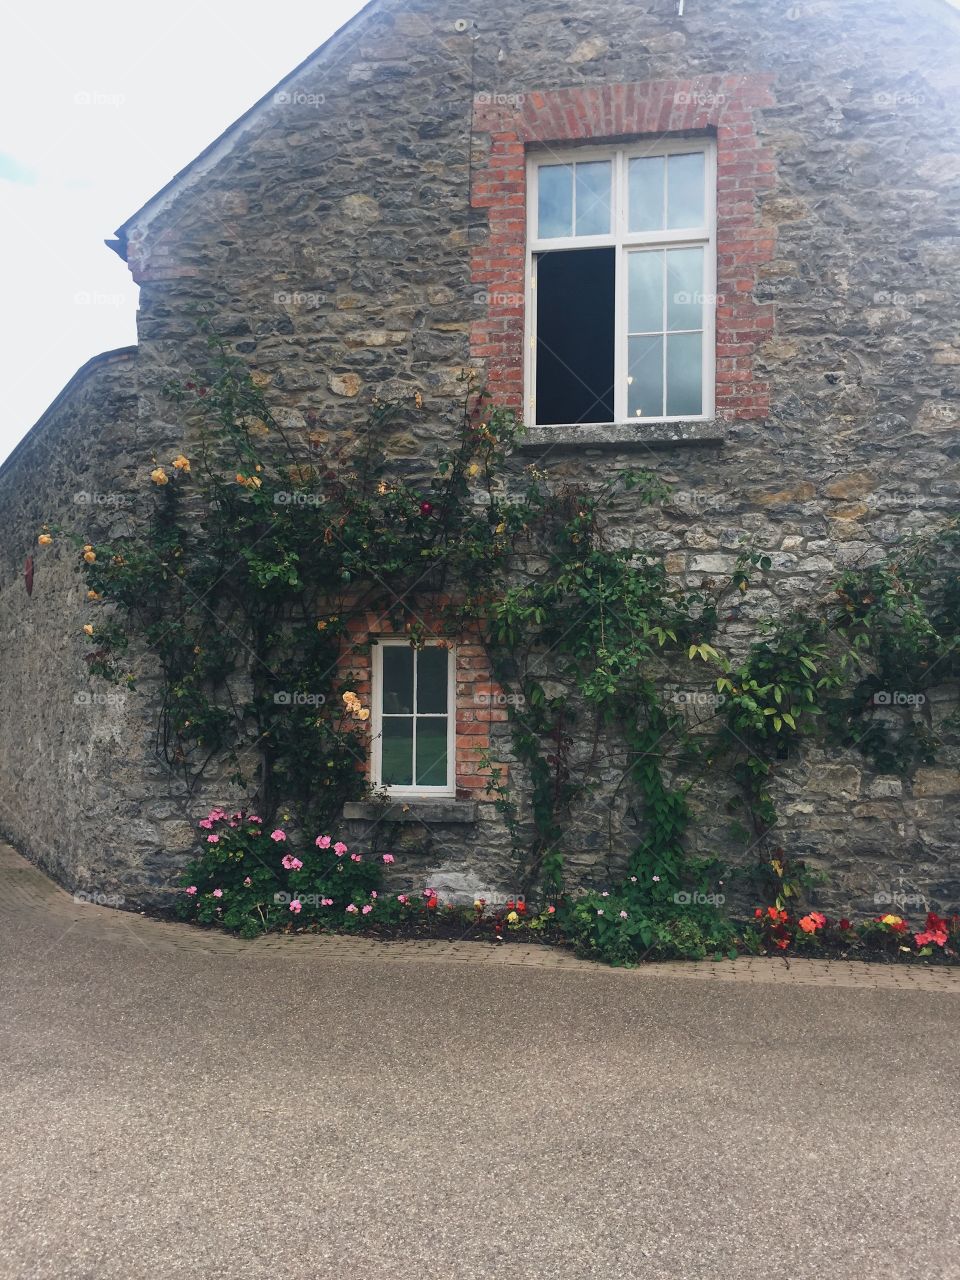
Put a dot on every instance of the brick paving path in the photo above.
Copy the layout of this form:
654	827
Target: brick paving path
27	896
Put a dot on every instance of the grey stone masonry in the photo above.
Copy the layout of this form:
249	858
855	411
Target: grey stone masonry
331	236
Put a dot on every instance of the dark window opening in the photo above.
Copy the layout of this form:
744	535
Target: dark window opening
576	336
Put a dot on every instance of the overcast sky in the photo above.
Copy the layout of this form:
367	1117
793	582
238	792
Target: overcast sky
100	104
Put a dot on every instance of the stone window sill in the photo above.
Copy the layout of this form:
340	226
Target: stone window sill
429	811
620	435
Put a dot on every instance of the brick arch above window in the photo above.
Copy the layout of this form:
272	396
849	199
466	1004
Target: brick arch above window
720	106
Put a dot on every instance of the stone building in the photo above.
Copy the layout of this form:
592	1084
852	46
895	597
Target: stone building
756	205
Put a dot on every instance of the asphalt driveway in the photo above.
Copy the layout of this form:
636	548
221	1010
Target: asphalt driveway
173	1105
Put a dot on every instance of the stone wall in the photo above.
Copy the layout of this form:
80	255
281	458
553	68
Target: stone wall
82	792
333	238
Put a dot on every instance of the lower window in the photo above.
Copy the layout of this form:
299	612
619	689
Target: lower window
413	719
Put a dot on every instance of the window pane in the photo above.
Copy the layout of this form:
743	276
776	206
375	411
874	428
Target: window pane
646	193
684	372
432	679
556	200
645	271
685	289
685	190
593	198
432	751
397	679
645	388
396	751
576	335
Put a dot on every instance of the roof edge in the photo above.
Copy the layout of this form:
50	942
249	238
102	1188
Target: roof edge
118	355
218	147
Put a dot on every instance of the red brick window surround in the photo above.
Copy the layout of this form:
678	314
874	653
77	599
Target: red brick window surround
479	702
719	106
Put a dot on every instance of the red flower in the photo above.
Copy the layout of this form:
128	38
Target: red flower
426	508
935	932
759	912
843	925
521	908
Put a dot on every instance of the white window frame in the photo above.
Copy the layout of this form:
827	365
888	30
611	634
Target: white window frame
376	771
623	241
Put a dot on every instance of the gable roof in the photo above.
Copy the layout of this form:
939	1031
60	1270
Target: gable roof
210	155
201	164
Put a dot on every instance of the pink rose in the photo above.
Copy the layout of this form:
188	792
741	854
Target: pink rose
190	890
296	864
339	848
354	857
322	842
205	823
373	893
326	902
254	818
213	839
296	906
402	898
367	909
278	835
287	861
352	909
218	893
388	857
247	881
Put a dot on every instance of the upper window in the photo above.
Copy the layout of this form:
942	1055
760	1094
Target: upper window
413	719
622	263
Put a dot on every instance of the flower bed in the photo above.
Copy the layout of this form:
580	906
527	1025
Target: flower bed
252	881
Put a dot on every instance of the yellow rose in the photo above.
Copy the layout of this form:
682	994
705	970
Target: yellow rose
90	557
45	540
512	918
159	476
93	595
88	629
892	920
363	713
181	463
473	469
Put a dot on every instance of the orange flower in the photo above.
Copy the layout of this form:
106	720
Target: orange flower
181	463
88	629
44	540
159	476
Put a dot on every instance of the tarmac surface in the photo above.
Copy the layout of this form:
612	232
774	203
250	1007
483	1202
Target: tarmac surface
175	1103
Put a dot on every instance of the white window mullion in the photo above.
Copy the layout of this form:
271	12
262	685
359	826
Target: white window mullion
413	725
621	341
